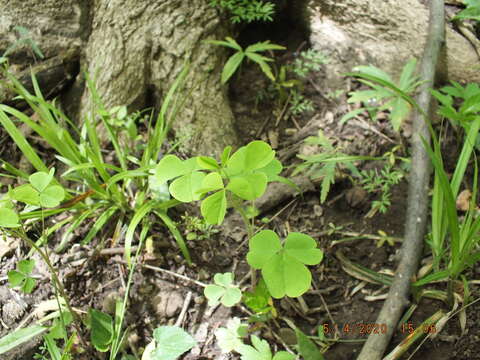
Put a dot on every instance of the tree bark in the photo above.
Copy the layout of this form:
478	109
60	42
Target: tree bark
134	50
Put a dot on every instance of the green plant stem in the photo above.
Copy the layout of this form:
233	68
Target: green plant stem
57	284
250	232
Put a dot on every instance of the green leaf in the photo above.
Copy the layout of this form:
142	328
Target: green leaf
15	278
307	348
258	300
58	330
102	330
213	293
40	180
373	71
214	207
272	169
283	269
52	347
229	338
171	342
283	355
28	285
263	46
207	163
231	66
212	182
259	351
26	194
262	62
186	187
169	168
224	290
9	218
263	246
400	110
225	155
285	275
52	196
18	337
26	266
303	248
255	155
231	43
248	187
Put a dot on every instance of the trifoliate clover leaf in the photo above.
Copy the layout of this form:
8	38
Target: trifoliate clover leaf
51	196
39	192
21	276
255	155
223	291
283	269
188	179
230	338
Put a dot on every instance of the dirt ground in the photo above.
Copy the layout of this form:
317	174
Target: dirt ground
164	286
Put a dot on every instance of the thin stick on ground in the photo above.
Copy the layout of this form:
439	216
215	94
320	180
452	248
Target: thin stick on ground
417	208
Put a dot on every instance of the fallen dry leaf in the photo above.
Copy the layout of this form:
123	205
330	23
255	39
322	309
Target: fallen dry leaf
463	200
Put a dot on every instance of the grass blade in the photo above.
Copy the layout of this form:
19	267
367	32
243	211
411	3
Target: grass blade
176	234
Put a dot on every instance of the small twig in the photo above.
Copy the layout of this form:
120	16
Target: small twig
337	334
154	268
284	109
186	303
366	126
332	307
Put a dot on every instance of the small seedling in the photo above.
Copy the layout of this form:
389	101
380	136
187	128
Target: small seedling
197	228
325	164
230	339
260	350
309	61
251	52
381	97
21	276
247	10
260	302
283	267
380	182
223	291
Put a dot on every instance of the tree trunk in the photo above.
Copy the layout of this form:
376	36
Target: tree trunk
134	50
